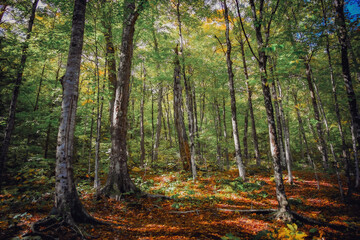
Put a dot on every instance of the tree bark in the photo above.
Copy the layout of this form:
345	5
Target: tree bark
99	110
320	134
67	202
353	108
302	131
110	53
249	95
39	89
285	125
245	139
344	148
284	212
159	104
142	131
238	156
179	116
119	181
12	109
226	151
188	97
278	123
217	122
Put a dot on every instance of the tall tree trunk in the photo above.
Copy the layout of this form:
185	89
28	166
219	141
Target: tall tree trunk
217	122
278	124
302	131
119	180
245	139
286	132
238	157
159	104
249	95
284	212
345	152
225	137
99	109
142	132
39	89
189	99
48	132
282	129
110	52
90	141
158	124
353	108
67	202
320	135
179	116
168	117
12	109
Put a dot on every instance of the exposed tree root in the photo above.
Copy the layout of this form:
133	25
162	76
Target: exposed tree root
49	227
304	219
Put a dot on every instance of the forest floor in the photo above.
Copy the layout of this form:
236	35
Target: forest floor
205	209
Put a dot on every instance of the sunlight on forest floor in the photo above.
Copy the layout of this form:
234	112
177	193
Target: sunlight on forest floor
205	209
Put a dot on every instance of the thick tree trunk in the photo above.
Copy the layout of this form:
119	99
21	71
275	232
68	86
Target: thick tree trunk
189	99
12	109
353	108
320	134
238	157
179	116
284	212
344	148
119	181
67	202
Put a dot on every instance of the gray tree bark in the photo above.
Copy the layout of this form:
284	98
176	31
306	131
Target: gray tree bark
67	202
353	107
284	212
119	181
238	157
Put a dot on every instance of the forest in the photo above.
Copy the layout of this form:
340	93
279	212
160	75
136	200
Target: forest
179	119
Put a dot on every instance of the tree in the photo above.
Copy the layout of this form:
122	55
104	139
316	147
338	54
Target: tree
229	63
67	203
118	180
18	81
353	108
284	212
